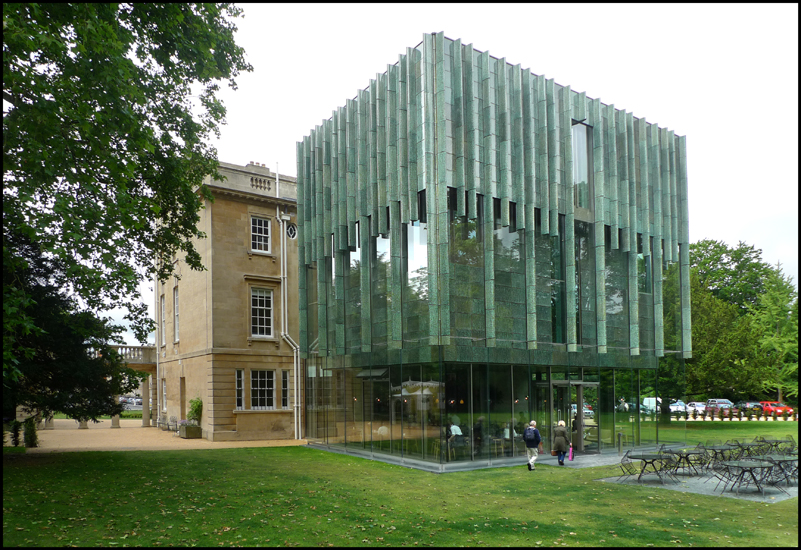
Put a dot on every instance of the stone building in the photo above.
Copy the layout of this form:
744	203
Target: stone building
480	246
228	334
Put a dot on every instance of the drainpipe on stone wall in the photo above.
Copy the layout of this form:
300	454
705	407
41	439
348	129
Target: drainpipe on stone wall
282	219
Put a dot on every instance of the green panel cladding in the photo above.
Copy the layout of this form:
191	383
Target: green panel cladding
446	118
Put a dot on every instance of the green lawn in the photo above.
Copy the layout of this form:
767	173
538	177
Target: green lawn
305	497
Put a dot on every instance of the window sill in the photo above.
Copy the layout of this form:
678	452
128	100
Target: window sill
269	339
260	253
257	411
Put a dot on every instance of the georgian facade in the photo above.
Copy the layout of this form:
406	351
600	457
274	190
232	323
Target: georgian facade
481	246
228	334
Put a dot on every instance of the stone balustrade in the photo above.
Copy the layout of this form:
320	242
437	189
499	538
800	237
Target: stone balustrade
134	354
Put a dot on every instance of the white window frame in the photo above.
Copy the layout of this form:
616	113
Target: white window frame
240	389
175	312
163	322
260	240
262	390
256	314
163	394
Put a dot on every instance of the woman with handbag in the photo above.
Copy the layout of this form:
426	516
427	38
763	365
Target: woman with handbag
561	441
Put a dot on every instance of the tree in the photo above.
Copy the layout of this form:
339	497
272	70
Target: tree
72	369
734	275
104	148
776	316
727	361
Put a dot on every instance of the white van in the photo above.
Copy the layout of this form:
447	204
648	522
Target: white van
651	404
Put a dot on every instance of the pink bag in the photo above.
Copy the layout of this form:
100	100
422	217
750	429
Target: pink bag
570	456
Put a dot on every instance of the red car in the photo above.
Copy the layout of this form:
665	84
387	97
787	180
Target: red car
769	407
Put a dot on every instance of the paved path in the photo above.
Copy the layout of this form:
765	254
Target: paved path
131	436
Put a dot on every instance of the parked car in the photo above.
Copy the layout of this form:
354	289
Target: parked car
123	399
714	402
678	406
749	407
728	410
587	411
769	407
138	401
695	406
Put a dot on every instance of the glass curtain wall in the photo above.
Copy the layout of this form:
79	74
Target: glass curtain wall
454	405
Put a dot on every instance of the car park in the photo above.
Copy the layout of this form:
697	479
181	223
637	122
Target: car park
749	407
769	407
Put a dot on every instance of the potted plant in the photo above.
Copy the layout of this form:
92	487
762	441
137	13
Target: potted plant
785	414
190	428
695	414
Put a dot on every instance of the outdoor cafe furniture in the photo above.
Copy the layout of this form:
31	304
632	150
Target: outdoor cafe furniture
721	452
688	457
789	445
786	466
773	445
659	462
750	448
745	472
628	467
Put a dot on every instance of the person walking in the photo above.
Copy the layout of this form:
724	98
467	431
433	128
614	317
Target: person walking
531	436
561	441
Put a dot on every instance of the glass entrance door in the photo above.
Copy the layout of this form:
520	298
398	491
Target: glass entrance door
576	403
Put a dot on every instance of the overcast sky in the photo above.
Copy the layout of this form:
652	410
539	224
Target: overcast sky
725	76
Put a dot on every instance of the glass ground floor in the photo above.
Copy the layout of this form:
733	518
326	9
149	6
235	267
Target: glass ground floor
443	415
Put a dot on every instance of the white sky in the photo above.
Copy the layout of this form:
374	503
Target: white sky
725	76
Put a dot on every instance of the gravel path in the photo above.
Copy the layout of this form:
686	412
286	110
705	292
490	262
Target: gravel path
131	436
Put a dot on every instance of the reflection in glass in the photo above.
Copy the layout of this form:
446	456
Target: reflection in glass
466	276
415	288
379	281
510	287
581	171
353	299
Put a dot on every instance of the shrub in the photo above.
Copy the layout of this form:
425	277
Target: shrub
195	410
15	426
31	438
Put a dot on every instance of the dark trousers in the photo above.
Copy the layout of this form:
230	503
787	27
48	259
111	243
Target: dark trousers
561	455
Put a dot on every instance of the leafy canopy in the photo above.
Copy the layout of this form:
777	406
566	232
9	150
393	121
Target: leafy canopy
106	112
776	316
735	275
72	369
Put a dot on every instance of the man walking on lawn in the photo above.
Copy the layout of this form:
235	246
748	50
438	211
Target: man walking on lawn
533	440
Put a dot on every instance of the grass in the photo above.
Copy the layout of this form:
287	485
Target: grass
303	497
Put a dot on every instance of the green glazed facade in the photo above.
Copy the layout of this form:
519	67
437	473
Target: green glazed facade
480	245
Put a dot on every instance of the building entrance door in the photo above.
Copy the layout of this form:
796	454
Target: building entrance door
576	403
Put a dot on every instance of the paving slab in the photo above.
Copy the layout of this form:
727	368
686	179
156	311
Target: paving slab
705	485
